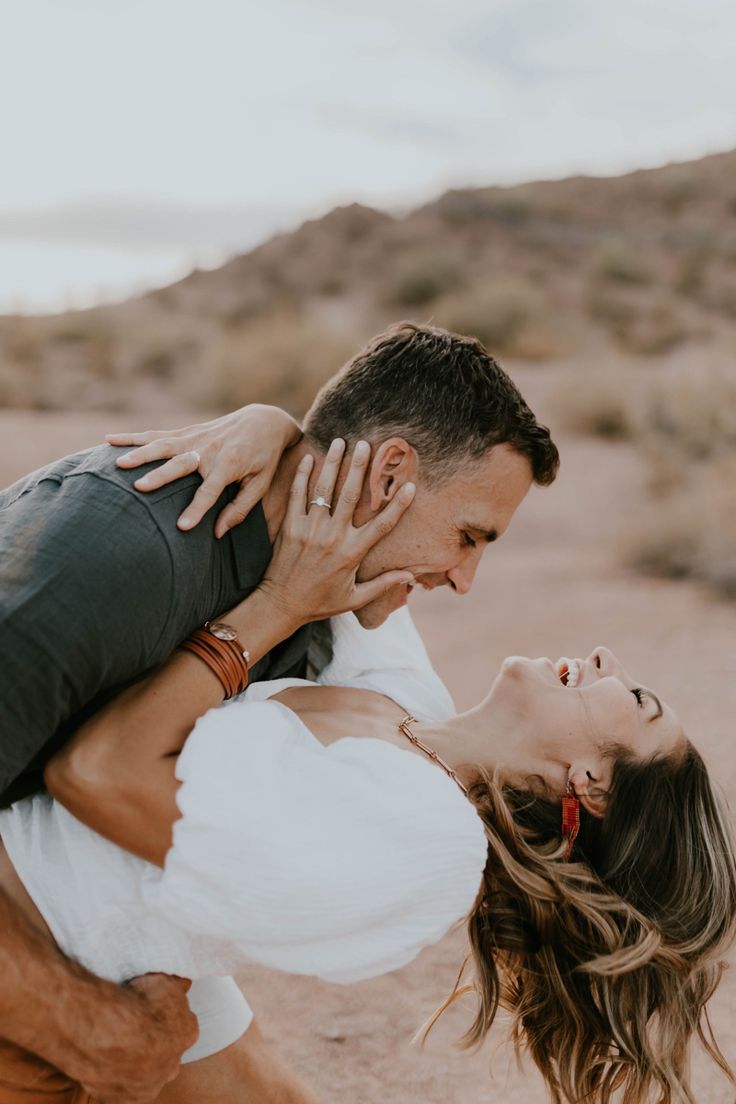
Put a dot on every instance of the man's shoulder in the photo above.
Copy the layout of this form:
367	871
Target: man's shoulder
77	499
99	463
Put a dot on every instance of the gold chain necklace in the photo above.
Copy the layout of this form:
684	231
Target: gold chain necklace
404	727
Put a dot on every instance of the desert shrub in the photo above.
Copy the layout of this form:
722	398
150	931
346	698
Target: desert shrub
332	284
599	402
691	533
280	359
678	187
690	276
687	434
620	263
666	542
691	413
19	387
511	208
509	315
648	327
421	277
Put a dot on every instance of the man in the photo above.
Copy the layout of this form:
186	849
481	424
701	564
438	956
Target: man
98	586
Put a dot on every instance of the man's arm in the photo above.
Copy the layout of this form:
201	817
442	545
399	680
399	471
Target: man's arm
120	1044
250	1070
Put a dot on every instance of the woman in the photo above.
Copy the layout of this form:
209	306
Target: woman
317	830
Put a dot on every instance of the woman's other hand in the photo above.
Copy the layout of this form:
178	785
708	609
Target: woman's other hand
242	447
318	551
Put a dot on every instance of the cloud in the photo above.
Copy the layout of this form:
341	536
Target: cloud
140	225
393	126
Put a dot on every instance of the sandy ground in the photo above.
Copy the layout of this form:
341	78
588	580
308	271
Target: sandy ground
552	586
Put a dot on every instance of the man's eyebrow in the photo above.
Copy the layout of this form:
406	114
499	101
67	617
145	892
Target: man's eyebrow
659	706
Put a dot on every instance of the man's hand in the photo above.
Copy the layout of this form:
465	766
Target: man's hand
122	1043
243	447
131	1059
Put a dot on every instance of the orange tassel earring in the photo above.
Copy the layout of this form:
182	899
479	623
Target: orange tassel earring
570	819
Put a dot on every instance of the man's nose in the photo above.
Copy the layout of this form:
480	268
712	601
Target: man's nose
461	578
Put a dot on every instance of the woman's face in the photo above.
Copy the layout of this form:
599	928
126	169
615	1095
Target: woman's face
560	708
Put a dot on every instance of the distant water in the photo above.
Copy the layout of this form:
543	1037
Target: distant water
38	277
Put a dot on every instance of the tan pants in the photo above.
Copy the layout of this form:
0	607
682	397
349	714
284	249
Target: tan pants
27	1079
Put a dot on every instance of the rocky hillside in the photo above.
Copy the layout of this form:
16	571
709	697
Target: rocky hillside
584	269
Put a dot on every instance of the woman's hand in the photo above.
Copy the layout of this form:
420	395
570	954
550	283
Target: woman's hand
243	447
318	551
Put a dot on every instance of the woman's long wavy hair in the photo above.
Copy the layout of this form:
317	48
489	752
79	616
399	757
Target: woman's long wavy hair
606	962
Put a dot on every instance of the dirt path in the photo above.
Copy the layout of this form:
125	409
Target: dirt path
551	587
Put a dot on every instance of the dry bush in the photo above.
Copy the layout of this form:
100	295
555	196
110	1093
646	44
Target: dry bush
599	402
679	187
691	533
691	273
647	327
282	359
687	434
619	262
692	413
509	315
509	207
421	277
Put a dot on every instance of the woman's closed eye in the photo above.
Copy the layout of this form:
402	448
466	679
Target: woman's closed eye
640	694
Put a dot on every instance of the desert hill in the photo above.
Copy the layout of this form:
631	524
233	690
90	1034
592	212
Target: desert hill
636	266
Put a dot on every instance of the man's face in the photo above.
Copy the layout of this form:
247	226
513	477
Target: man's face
445	531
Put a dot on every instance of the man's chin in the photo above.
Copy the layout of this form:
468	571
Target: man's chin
375	613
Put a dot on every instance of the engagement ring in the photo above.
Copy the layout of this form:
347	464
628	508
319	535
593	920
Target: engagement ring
321	501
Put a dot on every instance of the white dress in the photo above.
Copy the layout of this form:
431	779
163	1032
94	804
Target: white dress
340	862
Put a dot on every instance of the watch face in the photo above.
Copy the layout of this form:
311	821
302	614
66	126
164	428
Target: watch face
222	631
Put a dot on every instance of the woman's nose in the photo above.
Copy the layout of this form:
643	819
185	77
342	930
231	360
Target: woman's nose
605	661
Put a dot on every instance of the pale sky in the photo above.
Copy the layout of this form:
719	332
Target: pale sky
284	107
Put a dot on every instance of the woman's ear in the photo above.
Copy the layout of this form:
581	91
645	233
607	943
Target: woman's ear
393	464
589	791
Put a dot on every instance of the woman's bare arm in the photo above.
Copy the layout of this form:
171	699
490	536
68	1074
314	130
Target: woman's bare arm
117	773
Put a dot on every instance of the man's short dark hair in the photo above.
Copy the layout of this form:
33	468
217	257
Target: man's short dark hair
442	392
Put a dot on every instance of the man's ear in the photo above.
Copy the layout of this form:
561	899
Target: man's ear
589	791
393	464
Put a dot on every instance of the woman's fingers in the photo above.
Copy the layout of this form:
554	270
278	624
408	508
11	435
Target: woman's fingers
146	436
134	438
297	506
325	486
161	449
179	466
352	488
376	588
236	511
381	525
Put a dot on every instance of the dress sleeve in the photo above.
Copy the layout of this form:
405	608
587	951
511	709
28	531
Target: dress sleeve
340	862
392	660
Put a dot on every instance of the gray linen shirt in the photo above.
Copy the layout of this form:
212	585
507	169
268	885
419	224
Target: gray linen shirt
97	587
